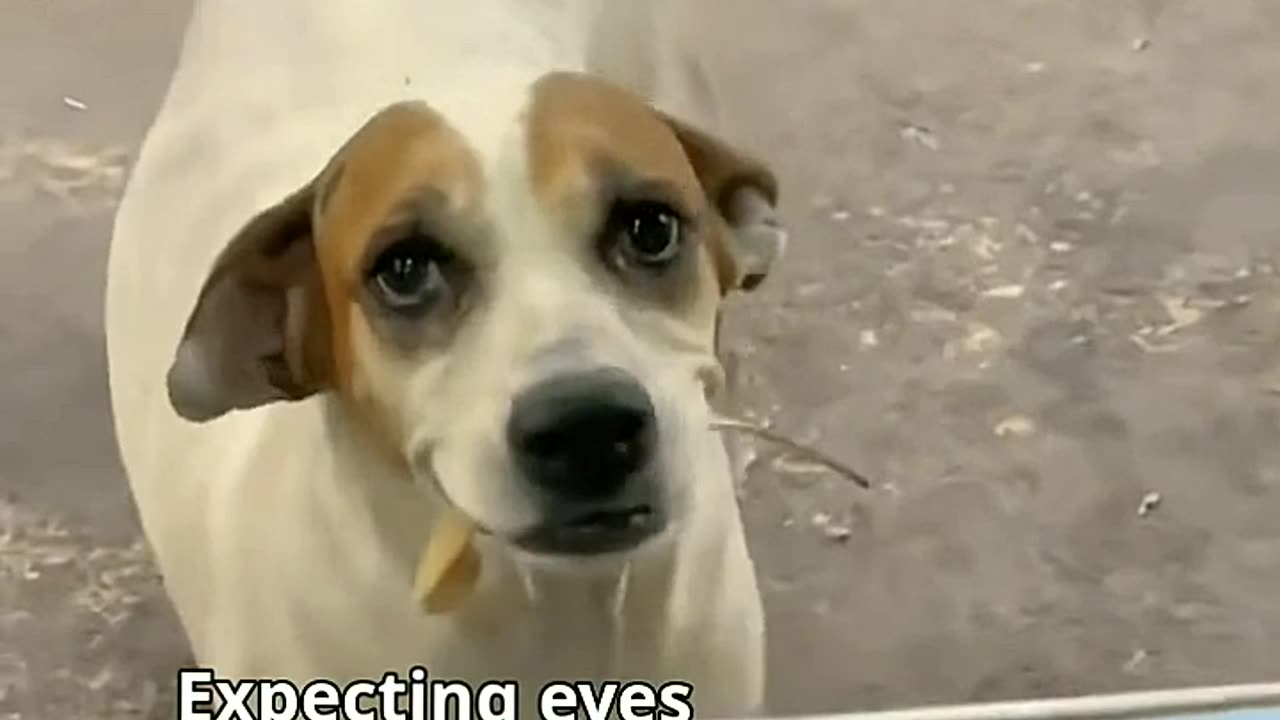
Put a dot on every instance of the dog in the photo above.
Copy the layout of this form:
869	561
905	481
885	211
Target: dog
386	265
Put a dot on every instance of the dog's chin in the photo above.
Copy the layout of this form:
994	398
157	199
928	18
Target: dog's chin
596	564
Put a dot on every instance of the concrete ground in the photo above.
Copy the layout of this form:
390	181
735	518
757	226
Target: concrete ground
1033	283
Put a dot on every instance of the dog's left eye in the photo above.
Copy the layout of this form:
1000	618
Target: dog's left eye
409	276
649	234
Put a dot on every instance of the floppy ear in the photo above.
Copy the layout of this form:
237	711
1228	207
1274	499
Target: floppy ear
259	332
745	192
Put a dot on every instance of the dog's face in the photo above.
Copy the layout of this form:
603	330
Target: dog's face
528	327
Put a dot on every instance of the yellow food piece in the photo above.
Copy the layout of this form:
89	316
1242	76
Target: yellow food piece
450	565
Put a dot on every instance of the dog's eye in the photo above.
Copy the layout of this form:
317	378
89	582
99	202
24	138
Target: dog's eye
409	275
648	234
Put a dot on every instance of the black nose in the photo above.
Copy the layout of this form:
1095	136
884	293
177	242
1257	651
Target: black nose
582	436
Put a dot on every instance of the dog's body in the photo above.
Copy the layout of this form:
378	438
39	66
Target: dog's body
288	534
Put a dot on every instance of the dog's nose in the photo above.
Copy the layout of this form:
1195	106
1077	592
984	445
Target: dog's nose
582	436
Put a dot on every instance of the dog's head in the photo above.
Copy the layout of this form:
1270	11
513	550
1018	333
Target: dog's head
528	326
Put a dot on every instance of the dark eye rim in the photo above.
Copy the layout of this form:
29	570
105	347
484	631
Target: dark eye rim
424	249
615	236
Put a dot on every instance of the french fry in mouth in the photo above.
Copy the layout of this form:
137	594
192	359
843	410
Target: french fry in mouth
449	566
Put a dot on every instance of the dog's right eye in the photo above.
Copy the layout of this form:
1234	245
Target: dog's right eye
409	276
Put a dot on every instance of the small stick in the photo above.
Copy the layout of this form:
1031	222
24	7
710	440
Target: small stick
723	423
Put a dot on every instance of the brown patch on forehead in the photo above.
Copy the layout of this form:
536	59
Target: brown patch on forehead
581	128
579	125
405	152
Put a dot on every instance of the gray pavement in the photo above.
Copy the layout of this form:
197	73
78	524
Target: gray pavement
1033	283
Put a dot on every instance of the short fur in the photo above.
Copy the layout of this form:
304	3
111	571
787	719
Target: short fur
289	447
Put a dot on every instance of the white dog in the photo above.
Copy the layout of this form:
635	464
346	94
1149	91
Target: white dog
391	271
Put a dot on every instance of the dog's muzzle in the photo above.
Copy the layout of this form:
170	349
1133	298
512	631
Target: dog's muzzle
588	442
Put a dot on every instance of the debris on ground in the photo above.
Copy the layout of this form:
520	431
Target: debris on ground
831	530
837	533
1149	503
1005	292
1182	314
791	465
920	135
1014	426
1138	657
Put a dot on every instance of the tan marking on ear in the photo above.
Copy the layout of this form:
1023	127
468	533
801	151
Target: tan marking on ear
315	365
721	168
722	259
400	152
258	330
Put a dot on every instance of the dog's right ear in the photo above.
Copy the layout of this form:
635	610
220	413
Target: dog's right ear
745	192
259	332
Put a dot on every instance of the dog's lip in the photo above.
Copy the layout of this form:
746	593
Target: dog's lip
595	531
611	518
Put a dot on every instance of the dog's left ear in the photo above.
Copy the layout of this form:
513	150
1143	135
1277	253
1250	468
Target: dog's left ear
745	192
258	333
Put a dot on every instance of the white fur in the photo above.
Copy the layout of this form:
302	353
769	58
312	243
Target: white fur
287	547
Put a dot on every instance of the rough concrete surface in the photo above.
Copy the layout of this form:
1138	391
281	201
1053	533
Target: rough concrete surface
1032	293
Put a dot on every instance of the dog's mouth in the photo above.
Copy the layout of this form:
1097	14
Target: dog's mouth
612	520
595	531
